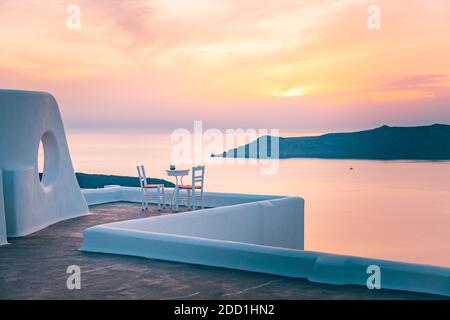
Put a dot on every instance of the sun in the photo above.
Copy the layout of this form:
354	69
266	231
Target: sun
292	92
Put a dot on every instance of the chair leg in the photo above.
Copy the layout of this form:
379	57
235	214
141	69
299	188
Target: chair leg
163	199
172	200
202	201
144	200
177	199
189	202
194	205
158	194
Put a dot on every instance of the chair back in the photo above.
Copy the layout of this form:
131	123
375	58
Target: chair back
198	176
141	173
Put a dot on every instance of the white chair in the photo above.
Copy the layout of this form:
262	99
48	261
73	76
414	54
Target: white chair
146	194
195	190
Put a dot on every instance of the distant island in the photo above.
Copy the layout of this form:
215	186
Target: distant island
383	143
94	181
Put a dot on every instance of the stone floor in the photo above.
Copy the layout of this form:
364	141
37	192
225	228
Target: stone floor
34	267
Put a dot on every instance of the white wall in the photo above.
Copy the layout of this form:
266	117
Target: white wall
264	236
130	194
103	195
278	223
26	118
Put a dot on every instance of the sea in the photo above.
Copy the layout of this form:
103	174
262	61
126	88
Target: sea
395	210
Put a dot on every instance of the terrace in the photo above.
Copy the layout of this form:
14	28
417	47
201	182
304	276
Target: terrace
241	246
34	267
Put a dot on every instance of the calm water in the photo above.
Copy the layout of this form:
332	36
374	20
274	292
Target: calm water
397	210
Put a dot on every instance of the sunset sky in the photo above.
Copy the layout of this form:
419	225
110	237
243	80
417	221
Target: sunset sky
304	66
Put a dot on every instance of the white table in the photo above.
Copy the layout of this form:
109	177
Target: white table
178	174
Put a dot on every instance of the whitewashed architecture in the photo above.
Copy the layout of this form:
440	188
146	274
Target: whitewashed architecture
26	119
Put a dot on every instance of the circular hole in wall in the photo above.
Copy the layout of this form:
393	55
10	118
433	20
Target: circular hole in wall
41	160
48	159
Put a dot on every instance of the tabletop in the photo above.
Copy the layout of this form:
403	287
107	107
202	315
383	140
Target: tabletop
178	172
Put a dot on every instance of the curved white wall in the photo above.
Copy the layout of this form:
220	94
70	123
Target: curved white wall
264	236
26	118
276	223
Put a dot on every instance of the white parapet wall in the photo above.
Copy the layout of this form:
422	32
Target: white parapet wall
131	194
253	233
276	223
26	119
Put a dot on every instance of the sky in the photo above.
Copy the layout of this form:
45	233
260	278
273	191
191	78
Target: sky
297	66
